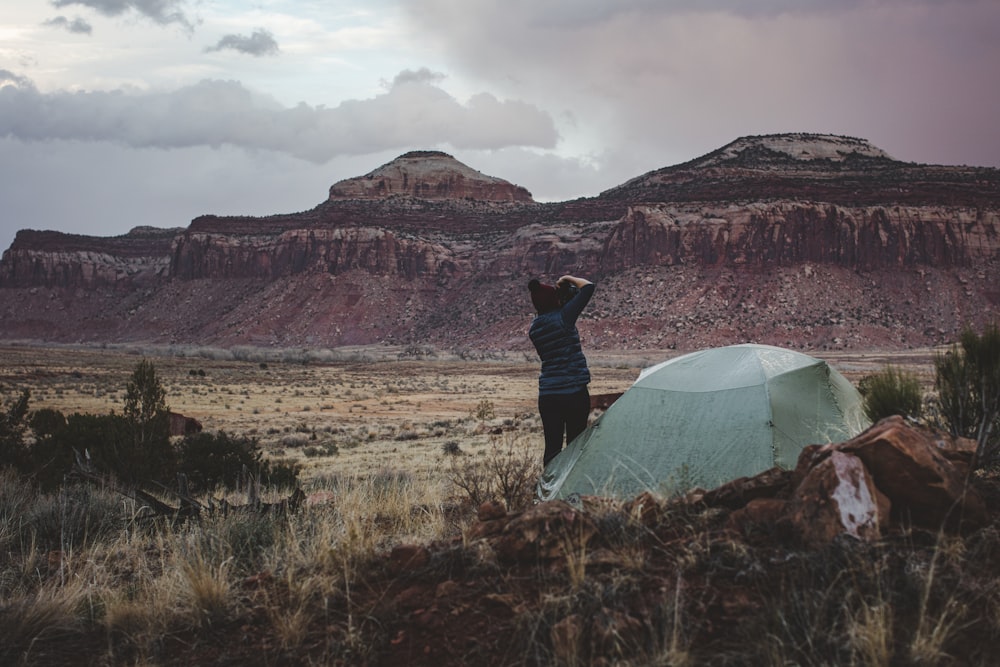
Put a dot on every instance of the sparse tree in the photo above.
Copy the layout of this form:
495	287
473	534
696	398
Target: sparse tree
145	400
150	455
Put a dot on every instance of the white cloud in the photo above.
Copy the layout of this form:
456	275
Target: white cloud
413	112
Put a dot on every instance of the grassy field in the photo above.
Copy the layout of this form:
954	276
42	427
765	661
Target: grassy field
361	409
82	583
368	411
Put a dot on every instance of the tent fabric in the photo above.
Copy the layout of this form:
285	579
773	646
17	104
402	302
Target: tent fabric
706	418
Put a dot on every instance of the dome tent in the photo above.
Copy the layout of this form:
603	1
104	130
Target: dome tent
707	418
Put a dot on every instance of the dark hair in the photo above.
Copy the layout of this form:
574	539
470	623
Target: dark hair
566	291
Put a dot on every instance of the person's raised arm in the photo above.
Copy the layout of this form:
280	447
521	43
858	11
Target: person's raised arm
573	280
571	311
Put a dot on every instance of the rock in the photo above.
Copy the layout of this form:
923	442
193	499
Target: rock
925	488
758	513
491	510
545	531
645	508
54	259
740	491
181	425
428	175
894	475
482	529
747	242
409	557
603	401
838	497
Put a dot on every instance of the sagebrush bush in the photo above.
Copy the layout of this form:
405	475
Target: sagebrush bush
507	473
968	384
210	460
13	424
891	391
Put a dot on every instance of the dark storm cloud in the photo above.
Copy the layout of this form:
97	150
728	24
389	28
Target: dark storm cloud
260	43
686	76
412	112
163	12
77	25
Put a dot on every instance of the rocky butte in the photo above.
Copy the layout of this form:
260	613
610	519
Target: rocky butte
807	241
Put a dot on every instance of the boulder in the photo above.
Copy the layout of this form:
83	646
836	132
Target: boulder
182	425
838	497
740	491
894	474
926	488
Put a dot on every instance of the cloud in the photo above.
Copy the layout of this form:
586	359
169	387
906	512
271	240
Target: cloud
259	43
422	75
11	80
412	113
77	25
163	12
687	76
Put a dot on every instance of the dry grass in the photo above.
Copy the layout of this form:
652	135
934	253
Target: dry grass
329	416
314	587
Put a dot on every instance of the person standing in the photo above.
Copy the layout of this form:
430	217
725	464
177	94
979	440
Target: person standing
563	397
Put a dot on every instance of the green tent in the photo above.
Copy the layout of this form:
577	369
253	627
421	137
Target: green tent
706	418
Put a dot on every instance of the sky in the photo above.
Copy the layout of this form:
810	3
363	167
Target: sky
121	113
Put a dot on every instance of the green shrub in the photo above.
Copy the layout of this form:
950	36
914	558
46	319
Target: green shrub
12	428
106	440
891	391
283	474
484	410
46	422
210	460
968	384
145	405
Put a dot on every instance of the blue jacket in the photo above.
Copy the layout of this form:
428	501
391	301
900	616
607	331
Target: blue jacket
557	341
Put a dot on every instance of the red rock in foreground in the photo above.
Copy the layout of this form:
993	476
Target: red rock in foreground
893	475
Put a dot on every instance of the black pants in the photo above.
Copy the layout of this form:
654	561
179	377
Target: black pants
562	414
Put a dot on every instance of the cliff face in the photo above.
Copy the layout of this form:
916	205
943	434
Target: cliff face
785	233
799	240
51	259
377	251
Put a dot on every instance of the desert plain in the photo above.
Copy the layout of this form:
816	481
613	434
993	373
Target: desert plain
348	411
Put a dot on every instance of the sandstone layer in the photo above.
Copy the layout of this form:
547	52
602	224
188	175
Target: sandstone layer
805	241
